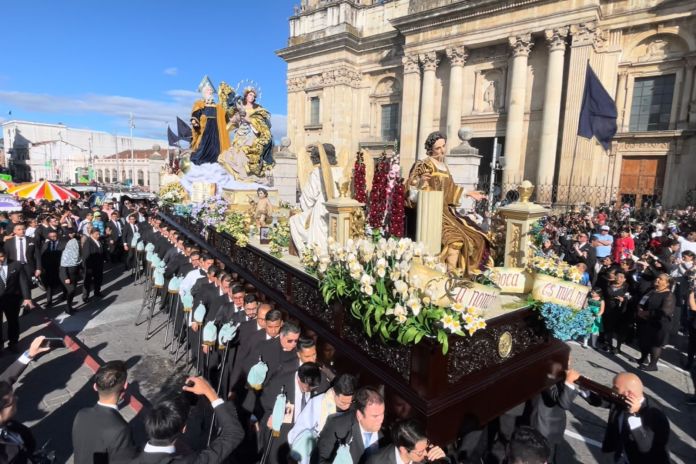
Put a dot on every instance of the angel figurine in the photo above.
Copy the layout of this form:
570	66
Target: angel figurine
317	170
263	209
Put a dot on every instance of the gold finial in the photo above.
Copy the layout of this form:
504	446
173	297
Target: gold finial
343	188
525	190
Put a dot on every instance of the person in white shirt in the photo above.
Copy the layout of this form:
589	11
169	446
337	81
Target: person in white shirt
313	417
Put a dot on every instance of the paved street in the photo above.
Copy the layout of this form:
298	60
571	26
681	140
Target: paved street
57	385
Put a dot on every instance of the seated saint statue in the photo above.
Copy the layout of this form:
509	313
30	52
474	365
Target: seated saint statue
250	154
464	245
311	226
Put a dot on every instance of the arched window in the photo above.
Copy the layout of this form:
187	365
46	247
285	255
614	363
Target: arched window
100	175
114	176
141	177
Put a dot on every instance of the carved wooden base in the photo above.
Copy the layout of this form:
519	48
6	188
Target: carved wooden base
479	379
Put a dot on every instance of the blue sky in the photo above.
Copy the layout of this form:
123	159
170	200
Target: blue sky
89	63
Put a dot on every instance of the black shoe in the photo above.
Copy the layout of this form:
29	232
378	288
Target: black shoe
691	399
97	294
640	361
85	299
648	368
13	347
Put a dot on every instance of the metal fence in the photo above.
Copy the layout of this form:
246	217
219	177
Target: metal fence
567	197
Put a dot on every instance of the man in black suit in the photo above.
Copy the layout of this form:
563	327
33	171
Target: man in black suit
410	444
114	238
300	385
548	410
23	249
51	250
165	422
247	354
637	433
128	232
17	444
100	434
14	292
273	351
93	265
359	428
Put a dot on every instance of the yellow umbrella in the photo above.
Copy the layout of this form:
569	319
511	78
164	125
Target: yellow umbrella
43	190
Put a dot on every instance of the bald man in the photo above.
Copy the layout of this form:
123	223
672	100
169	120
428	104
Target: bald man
639	434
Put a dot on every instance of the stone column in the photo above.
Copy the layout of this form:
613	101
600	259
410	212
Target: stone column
457	56
686	94
429	61
556	39
285	172
514	151
621	101
409	111
463	162
583	38
519	218
343	221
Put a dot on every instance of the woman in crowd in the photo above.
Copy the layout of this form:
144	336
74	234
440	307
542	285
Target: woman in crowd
655	312
614	320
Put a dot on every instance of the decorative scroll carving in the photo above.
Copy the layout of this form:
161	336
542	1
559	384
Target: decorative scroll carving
583	33
471	354
296	84
397	357
515	240
651	146
556	38
521	45
410	63
429	60
457	55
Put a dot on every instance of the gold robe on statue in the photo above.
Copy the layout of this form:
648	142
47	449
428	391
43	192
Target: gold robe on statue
457	232
196	134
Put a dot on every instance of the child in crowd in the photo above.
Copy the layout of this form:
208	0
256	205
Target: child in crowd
595	303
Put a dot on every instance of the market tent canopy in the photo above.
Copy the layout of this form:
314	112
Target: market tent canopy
43	190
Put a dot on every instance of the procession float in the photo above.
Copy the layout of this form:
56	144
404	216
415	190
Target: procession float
416	306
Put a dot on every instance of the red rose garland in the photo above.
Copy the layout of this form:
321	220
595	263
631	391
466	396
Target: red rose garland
378	195
396	224
359	183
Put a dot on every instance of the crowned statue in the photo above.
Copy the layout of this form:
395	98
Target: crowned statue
464	245
210	139
250	155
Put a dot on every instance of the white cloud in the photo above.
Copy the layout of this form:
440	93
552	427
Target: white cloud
151	116
279	126
171	71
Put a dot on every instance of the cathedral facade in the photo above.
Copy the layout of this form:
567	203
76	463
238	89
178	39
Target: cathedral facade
383	74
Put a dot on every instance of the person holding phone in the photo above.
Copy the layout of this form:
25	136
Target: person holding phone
17	444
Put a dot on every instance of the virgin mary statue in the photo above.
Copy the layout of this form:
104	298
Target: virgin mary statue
209	139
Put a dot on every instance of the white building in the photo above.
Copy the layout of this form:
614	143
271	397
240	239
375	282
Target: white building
61	153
